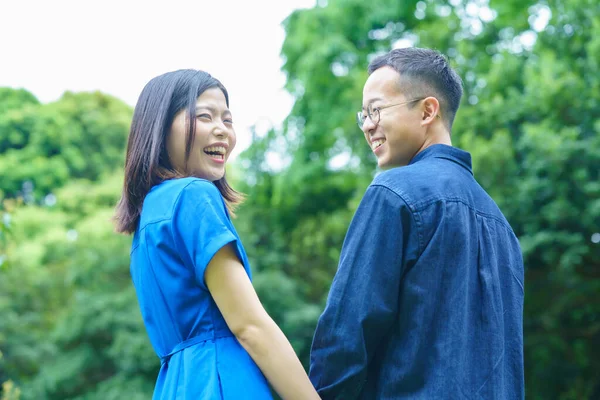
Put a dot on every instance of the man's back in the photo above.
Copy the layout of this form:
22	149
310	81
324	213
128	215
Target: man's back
456	331
464	293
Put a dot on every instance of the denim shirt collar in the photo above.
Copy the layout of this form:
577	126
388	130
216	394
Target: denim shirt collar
453	154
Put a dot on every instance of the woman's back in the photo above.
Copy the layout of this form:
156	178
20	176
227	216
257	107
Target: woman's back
184	222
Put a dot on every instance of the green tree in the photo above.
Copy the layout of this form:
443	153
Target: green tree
82	135
17	113
72	328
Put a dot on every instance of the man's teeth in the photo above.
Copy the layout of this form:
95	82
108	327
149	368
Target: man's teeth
375	144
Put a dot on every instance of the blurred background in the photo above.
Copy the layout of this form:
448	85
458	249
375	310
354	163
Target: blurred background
70	327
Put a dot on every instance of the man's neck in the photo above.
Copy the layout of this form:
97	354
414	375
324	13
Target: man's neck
436	135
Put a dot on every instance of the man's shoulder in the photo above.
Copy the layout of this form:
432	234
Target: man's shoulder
406	180
428	181
397	176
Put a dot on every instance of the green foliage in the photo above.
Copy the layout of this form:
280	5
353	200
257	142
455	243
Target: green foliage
70	327
82	135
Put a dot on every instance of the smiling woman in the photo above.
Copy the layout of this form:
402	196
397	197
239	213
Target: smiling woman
214	138
189	268
162	139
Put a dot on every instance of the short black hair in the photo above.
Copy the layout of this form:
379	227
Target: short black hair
425	72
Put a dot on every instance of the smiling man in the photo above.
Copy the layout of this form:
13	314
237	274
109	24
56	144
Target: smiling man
427	302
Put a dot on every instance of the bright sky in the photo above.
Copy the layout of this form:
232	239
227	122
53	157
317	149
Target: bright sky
117	46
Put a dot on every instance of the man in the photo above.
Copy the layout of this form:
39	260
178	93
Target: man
427	302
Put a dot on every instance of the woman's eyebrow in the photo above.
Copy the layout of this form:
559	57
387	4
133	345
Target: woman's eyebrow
211	109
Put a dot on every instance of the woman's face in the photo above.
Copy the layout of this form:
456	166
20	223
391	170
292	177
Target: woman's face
214	141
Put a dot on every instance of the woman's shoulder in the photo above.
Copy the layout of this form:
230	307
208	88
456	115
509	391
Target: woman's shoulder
195	190
180	184
167	197
175	189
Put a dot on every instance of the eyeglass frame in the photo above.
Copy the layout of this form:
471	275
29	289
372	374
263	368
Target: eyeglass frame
360	121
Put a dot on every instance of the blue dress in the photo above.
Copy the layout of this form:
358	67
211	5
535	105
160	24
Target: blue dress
184	222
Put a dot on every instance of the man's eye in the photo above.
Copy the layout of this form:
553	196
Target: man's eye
228	121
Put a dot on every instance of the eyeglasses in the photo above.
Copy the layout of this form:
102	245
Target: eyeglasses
374	113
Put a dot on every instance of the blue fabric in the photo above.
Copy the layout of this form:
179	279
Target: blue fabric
184	222
427	302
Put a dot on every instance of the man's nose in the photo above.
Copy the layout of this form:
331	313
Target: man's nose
368	125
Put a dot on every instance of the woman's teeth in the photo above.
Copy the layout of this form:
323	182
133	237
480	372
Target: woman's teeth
216	151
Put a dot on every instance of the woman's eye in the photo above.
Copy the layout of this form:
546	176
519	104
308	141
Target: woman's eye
205	116
228	121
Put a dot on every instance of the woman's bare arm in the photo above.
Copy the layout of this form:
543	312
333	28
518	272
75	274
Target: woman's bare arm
236	298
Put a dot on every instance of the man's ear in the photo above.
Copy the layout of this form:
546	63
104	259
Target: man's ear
430	110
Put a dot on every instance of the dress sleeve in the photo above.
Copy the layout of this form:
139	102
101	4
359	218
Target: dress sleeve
363	300
201	226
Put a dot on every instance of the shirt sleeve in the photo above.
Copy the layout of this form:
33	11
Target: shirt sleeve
363	300
201	226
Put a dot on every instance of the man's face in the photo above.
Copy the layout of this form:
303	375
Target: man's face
399	135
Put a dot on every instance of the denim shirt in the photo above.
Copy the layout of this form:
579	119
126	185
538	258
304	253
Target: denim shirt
427	302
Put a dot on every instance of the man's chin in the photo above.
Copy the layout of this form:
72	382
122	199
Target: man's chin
384	165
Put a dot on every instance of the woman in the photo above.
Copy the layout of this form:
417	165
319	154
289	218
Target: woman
188	266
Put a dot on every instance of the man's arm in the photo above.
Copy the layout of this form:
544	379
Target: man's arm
363	299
